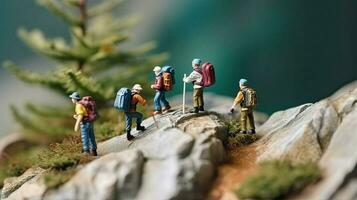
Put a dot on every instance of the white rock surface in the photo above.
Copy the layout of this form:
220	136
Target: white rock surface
324	132
113	176
27	186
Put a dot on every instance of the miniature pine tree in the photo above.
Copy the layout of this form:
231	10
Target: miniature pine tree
94	63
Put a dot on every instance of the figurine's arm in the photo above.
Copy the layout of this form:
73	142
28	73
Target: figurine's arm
78	121
158	84
237	100
80	112
192	77
141	100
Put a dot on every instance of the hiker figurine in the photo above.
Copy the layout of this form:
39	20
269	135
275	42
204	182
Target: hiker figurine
127	101
86	113
247	99
163	82
200	77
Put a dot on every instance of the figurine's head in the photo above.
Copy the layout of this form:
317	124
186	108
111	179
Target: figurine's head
196	62
243	83
137	88
157	70
75	97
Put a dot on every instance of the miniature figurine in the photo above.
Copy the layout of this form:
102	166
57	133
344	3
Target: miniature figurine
200	77
127	101
163	82
85	114
247	99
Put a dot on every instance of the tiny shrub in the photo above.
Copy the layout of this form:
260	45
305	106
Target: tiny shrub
277	179
61	156
54	179
107	130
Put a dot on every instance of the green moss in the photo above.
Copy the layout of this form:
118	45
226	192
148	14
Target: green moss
235	139
18	163
238	140
61	156
233	127
107	130
277	179
57	157
54	179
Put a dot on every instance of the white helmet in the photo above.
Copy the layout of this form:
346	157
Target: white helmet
157	69
137	87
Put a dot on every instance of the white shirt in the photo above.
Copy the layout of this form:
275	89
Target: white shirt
194	76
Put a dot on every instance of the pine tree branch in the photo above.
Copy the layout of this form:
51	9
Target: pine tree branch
55	48
54	7
34	78
74	3
87	86
105	7
107	25
48	111
39	128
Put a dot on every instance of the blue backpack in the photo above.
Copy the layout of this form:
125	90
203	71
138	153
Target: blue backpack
123	99
171	70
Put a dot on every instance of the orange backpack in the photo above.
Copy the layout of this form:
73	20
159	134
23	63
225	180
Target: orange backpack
168	75
167	81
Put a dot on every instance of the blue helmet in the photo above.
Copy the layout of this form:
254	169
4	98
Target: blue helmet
196	61
243	82
75	95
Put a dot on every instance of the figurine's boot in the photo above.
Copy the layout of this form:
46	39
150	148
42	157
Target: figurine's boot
166	109
252	131
195	110
85	152
201	108
242	132
157	112
129	136
140	128
93	153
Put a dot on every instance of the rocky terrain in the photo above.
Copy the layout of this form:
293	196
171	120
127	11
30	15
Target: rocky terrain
175	158
323	132
178	156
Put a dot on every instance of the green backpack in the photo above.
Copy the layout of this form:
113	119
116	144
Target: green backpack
250	98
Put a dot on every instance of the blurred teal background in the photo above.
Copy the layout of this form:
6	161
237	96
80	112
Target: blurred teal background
292	52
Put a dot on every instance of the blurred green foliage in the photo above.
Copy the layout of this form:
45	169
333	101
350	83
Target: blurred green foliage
54	179
19	162
92	62
235	139
277	179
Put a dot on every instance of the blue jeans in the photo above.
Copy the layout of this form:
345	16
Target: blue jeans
129	118
87	135
160	97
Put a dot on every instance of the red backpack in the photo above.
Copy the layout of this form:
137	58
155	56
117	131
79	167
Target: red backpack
208	75
91	108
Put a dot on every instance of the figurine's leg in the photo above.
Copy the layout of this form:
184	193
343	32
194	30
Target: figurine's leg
163	100
92	142
195	100
139	118
128	121
157	101
200	101
243	121
85	136
250	122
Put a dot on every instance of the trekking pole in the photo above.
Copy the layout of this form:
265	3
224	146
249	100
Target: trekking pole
184	95
156	124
